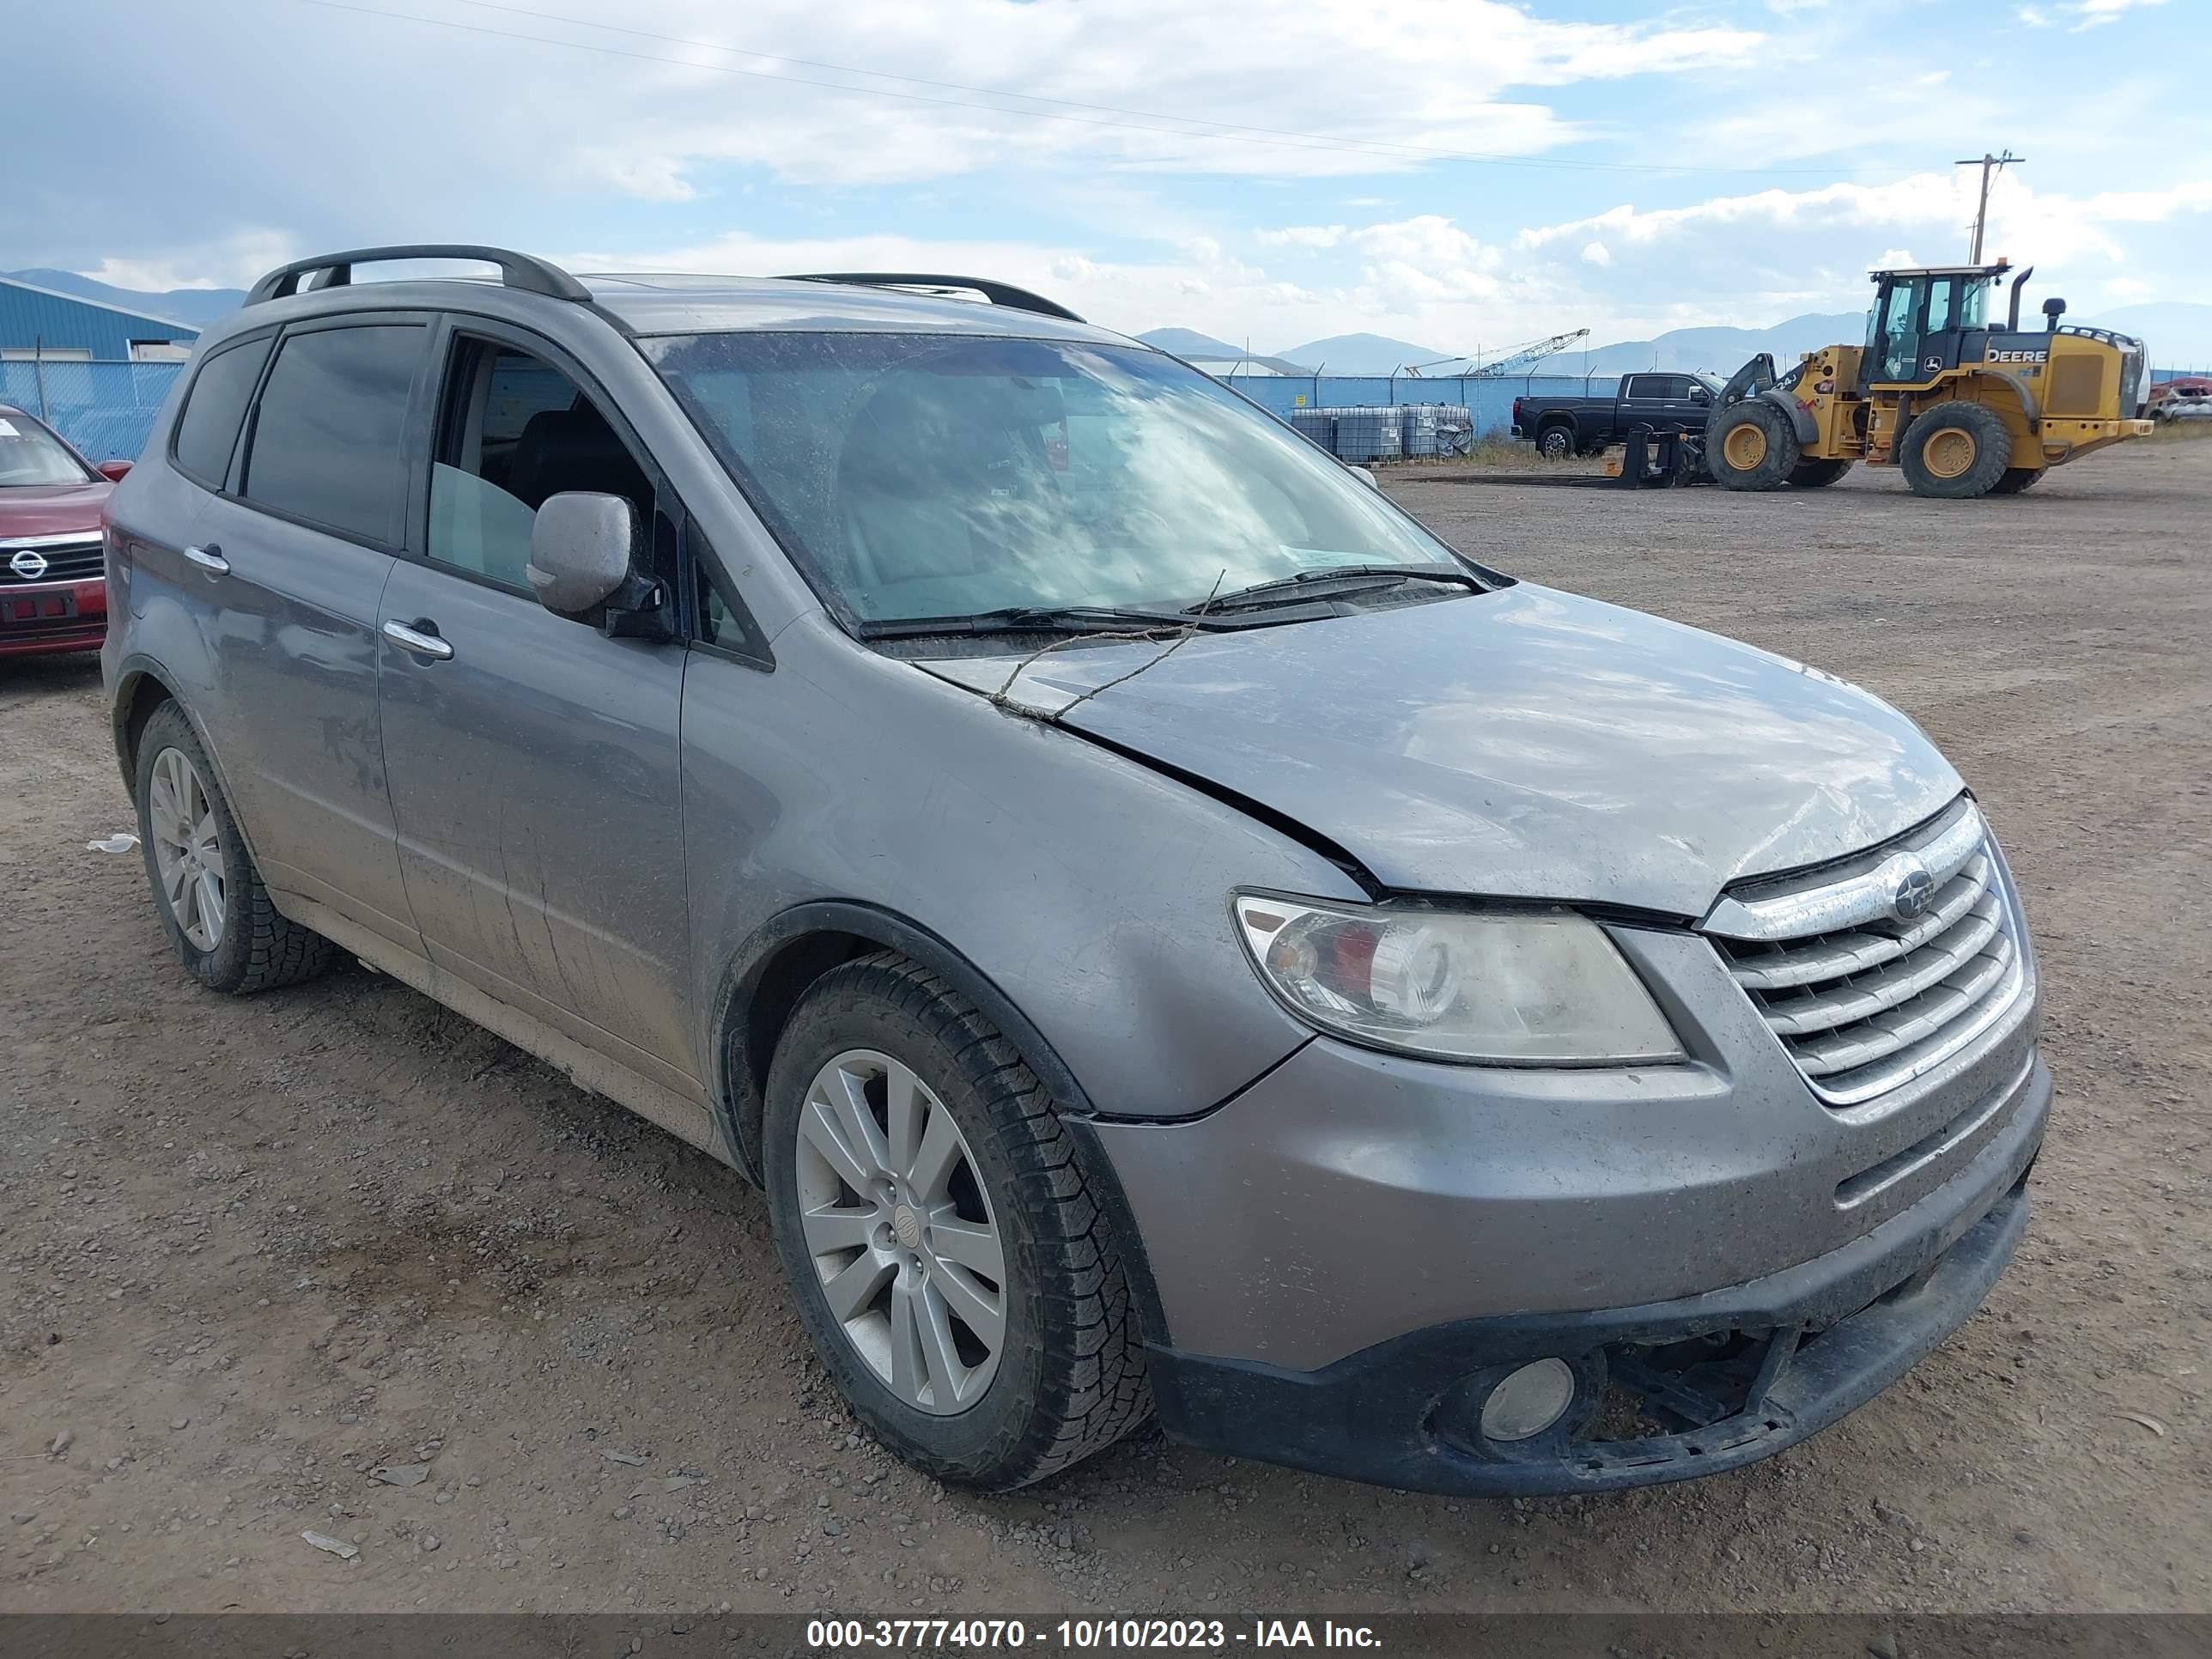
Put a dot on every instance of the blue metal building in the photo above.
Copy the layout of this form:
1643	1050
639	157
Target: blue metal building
94	372
88	331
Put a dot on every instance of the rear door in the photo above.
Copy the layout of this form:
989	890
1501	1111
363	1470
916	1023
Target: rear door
1661	402
292	557
534	762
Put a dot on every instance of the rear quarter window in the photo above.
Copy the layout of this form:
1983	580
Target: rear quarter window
215	410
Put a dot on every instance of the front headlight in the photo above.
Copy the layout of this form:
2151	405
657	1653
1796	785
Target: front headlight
1529	988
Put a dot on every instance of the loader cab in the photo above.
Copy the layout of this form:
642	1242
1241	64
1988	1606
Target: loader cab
1926	321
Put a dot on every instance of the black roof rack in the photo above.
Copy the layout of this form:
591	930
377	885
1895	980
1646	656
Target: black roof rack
520	270
998	293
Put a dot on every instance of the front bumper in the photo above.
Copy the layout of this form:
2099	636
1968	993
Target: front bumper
37	617
1713	1381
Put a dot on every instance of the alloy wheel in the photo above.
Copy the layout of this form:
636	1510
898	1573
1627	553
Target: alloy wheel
188	849
900	1232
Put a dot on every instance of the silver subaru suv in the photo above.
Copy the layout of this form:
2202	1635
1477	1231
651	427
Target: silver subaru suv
1167	934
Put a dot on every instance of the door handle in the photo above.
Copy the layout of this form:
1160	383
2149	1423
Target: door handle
420	637
207	558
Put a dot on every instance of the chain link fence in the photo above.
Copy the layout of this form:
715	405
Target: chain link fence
105	408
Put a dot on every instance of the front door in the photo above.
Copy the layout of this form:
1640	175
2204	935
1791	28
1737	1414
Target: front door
534	762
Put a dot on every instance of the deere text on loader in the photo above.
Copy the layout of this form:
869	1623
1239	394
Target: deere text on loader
1964	407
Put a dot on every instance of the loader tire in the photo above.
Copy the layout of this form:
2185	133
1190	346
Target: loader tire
2017	479
1817	474
1955	452
1752	445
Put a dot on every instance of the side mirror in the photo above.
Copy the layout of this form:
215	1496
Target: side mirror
113	472
1367	476
1699	395
581	548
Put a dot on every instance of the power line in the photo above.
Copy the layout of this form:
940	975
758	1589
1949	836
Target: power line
1225	131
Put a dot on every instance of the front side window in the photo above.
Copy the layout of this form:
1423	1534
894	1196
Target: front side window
329	434
514	431
30	456
925	476
215	410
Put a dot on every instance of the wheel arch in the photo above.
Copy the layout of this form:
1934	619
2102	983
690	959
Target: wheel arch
1801	420
142	687
785	955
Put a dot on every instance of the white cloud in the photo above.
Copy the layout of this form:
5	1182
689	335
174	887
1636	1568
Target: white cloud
231	261
1315	236
1597	253
2085	14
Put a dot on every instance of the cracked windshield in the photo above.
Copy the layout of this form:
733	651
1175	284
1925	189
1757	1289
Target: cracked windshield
925	477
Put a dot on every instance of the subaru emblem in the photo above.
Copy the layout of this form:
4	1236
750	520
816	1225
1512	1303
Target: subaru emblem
1914	892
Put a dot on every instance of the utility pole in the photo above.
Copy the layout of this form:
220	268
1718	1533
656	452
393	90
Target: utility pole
1990	165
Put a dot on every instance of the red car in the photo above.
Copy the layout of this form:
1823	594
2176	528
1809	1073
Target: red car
53	587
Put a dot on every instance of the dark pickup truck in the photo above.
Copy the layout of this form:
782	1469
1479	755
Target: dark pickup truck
1561	427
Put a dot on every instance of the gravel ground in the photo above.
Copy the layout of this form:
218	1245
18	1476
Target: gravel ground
332	1260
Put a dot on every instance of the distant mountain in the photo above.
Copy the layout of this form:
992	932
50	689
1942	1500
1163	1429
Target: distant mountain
197	306
1364	354
1714	350
1192	347
2177	335
1189	342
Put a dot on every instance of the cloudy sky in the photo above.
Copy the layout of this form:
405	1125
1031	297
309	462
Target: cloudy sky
1466	174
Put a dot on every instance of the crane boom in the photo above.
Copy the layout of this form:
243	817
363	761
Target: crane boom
1521	356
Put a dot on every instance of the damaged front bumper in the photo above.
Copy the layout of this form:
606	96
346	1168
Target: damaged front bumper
1665	1391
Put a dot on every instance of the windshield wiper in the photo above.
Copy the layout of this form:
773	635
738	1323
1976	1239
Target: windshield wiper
1329	580
1029	619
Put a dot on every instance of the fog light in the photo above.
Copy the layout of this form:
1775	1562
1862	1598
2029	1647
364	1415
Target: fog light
1529	1401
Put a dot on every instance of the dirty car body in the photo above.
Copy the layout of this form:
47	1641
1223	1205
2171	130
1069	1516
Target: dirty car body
1472	1012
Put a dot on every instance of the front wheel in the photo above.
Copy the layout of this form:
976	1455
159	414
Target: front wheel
1955	452
1752	445
959	1283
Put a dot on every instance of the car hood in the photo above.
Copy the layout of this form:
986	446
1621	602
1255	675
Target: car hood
51	509
1526	742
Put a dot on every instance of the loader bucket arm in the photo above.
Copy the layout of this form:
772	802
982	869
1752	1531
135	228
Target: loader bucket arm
1753	378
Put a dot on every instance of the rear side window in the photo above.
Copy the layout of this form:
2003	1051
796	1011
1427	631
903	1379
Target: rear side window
329	436
215	409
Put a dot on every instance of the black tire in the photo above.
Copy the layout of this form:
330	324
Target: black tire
2017	479
1764	446
1817	474
1557	442
1071	1378
255	948
1987	450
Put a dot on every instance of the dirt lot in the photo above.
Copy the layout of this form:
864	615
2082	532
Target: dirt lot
252	1251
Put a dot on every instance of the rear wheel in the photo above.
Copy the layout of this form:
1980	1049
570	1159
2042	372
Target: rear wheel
1556	443
209	896
1751	446
2018	478
1817	474
1955	452
961	1286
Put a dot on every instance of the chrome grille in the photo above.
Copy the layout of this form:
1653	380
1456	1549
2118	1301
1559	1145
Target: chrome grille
1862	999
68	559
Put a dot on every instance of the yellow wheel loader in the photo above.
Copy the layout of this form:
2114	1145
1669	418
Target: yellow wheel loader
1964	407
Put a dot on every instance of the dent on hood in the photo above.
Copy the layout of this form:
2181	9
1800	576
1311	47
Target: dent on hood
1522	744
